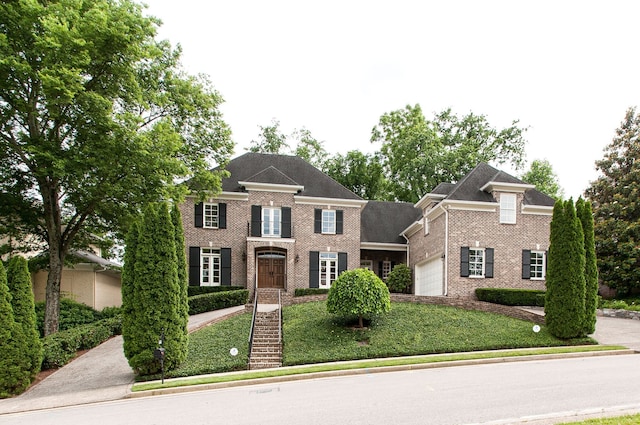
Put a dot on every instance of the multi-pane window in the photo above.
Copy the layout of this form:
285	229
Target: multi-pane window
329	221
209	267
366	264
328	268
271	221
508	208
210	215
476	262
537	265
386	269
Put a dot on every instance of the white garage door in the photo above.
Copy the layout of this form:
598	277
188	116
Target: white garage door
429	278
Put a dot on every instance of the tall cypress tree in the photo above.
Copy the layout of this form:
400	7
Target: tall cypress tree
583	209
24	313
157	295
181	258
565	297
129	311
15	373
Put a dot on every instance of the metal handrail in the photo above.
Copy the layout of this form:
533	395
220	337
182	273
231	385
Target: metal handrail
255	311
279	317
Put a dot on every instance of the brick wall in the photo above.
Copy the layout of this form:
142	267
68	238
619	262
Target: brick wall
303	240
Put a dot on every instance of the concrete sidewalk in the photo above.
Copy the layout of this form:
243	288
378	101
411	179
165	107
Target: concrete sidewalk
101	374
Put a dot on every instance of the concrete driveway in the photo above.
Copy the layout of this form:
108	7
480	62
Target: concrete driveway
101	374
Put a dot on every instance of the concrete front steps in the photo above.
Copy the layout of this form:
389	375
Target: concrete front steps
266	350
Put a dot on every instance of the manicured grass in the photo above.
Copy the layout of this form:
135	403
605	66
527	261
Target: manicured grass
368	364
209	349
621	420
311	335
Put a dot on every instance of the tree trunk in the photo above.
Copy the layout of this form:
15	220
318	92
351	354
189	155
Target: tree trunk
52	300
57	252
360	323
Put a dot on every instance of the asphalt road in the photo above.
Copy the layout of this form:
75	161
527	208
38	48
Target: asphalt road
538	392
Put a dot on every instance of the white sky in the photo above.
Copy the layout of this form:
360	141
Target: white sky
568	70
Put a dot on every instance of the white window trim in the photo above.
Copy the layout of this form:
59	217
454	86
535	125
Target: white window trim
484	260
508	208
212	254
544	263
330	258
271	221
206	216
331	221
386	269
366	264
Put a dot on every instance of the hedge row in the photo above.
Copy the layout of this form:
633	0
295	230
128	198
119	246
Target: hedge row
61	347
301	292
217	300
513	297
199	290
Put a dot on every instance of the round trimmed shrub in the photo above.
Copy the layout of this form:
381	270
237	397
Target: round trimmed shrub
358	293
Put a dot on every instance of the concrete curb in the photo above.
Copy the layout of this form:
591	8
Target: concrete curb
369	370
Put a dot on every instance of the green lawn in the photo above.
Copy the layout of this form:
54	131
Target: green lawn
621	420
311	335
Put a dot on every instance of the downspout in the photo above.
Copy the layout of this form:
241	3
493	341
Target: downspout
446	249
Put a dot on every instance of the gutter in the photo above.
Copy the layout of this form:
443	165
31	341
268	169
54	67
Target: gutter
446	249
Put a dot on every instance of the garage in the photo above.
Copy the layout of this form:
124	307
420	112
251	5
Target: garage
429	278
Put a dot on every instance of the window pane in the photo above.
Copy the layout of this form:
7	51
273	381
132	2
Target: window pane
328	221
210	215
507	208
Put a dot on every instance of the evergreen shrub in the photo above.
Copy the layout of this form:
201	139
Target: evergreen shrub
514	297
72	314
301	292
399	280
217	300
199	290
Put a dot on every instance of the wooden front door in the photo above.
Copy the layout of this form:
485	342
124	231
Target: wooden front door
271	270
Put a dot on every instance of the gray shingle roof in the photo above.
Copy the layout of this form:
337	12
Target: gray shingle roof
283	169
383	222
469	188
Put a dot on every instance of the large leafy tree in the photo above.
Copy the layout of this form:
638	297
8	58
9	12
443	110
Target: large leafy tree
361	173
418	153
96	119
615	197
270	140
541	175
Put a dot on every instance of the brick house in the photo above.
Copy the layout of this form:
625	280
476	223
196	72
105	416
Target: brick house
281	223
489	230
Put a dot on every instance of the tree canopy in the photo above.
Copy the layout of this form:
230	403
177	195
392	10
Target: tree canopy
615	198
361	173
418	154
96	119
541	175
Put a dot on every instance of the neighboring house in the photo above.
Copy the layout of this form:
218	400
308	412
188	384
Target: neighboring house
489	230
94	281
281	223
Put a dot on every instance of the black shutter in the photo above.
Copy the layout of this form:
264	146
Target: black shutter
198	217
342	262
317	220
194	266
339	220
285	231
222	216
526	264
488	262
256	220
314	269
225	266
464	261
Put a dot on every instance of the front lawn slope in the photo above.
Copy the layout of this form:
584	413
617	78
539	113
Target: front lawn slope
311	335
